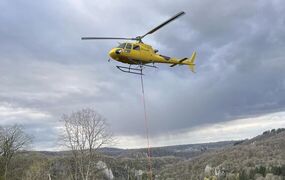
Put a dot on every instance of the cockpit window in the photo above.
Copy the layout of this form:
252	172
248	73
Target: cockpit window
122	45
129	46
136	47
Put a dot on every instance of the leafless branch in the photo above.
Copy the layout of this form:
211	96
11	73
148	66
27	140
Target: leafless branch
85	131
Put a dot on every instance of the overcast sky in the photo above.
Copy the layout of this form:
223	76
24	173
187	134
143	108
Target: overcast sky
46	70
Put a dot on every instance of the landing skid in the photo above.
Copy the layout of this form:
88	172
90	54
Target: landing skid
138	70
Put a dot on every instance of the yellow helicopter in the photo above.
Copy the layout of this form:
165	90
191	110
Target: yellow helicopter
143	55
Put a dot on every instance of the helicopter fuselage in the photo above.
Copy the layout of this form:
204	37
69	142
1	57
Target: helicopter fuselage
140	53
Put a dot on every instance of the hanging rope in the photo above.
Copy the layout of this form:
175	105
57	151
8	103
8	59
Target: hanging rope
146	131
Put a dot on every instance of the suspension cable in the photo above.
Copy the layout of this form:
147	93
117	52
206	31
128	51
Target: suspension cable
146	131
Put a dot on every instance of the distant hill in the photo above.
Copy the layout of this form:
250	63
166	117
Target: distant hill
262	157
182	151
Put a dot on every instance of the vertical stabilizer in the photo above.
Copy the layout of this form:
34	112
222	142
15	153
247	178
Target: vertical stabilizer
191	62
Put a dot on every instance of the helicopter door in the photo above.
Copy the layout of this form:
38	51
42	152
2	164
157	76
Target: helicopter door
128	48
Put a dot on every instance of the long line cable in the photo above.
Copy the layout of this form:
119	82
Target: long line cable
146	131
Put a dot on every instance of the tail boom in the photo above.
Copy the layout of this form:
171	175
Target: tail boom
187	61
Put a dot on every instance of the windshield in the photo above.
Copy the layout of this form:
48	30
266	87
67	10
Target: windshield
122	45
129	46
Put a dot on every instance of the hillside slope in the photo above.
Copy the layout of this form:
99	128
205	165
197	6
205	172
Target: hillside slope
256	158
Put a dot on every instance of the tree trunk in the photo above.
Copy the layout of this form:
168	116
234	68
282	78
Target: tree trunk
6	170
49	177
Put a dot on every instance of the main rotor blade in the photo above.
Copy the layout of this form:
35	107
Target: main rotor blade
102	38
163	24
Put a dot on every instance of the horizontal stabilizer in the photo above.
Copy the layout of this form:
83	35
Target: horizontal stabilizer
180	61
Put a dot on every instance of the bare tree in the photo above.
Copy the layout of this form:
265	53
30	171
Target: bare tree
85	131
12	140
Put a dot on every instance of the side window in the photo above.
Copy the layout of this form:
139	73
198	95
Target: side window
128	48
136	47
